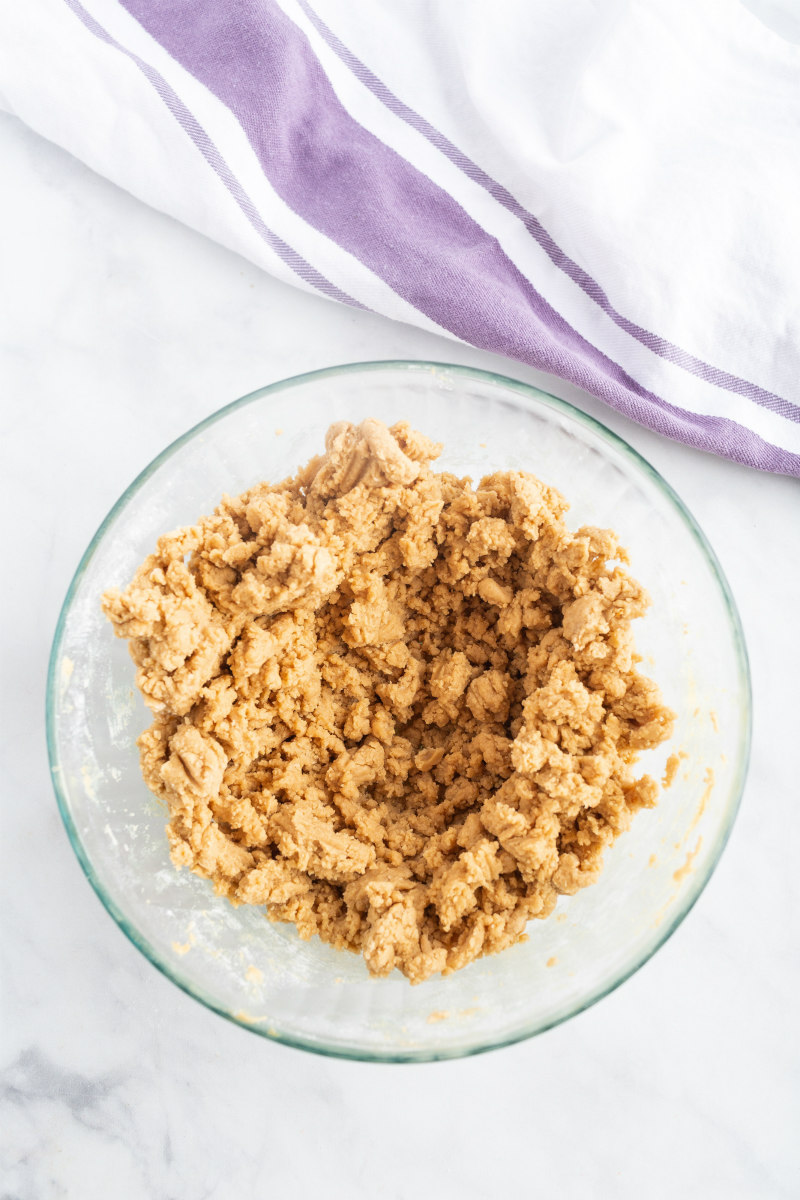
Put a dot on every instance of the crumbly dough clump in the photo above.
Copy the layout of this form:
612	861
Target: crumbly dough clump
396	710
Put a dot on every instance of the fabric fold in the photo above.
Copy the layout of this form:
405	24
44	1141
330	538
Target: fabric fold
301	135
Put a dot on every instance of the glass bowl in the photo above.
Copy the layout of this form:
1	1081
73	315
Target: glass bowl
305	993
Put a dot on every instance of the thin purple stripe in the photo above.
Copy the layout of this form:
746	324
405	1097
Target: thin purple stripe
205	145
412	234
659	345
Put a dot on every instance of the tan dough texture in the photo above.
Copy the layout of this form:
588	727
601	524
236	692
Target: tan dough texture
396	710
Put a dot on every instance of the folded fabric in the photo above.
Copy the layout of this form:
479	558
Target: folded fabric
606	192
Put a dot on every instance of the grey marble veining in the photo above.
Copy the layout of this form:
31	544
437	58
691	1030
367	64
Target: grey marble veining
120	329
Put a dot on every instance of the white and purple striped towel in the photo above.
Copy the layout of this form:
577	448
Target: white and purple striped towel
610	192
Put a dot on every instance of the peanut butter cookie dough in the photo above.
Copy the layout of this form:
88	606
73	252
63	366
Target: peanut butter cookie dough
396	710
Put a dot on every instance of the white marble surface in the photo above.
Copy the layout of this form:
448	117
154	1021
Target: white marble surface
120	329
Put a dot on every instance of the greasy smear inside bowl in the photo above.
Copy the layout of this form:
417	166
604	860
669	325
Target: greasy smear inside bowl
304	992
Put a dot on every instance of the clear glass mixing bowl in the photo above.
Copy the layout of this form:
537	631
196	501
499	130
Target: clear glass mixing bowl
305	993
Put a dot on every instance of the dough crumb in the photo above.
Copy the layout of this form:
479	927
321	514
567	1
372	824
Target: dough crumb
396	710
688	865
671	769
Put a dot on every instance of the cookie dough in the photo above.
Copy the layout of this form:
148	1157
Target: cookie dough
397	710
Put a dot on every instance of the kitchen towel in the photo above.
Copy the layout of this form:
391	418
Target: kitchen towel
608	191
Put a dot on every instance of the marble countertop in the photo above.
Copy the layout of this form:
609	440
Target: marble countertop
120	329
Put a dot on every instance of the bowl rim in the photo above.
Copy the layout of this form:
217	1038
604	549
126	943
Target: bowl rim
534	397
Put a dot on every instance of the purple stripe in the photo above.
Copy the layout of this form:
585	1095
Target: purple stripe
211	154
365	197
659	345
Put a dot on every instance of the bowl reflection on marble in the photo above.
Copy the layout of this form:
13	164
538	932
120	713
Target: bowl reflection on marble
307	994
